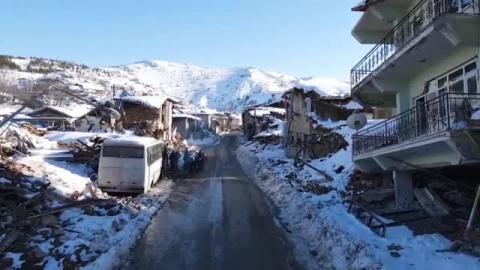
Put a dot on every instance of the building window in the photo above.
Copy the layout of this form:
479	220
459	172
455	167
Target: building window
461	80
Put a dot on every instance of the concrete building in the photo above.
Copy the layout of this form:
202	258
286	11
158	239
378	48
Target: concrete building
424	64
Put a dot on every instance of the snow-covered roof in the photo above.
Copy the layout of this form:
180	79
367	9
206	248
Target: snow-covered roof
235	116
325	87
261	111
353	105
155	102
183	115
73	111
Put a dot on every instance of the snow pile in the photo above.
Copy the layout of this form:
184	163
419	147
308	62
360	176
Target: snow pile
353	105
274	129
336	239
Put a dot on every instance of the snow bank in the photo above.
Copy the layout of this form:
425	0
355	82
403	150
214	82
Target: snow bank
335	238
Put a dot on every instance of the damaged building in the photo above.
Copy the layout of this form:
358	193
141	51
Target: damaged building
304	134
425	64
147	115
257	119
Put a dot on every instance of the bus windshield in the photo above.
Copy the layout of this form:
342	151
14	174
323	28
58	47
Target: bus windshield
123	152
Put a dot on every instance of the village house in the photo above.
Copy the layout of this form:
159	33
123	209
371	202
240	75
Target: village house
304	134
234	122
55	115
147	115
188	126
96	120
424	64
215	121
257	119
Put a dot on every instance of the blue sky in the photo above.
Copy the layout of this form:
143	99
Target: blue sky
302	38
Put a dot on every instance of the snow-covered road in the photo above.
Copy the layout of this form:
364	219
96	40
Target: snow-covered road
217	220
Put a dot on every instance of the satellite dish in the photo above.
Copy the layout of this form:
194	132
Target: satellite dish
357	121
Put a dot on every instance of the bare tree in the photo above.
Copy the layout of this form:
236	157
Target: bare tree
6	85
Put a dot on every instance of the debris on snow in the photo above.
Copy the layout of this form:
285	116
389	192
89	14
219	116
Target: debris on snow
313	209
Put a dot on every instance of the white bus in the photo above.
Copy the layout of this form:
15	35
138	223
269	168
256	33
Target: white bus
130	164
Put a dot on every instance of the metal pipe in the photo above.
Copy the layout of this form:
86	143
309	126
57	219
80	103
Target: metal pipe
473	214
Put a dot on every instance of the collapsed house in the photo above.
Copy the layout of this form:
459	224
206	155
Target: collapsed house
96	120
257	119
147	115
304	134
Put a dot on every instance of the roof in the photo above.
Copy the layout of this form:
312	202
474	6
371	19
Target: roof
261	111
365	4
155	102
130	140
307	90
189	116
71	112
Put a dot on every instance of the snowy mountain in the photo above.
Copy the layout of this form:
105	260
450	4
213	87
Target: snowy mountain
224	89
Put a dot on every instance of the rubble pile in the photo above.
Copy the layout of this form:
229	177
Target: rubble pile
29	213
86	152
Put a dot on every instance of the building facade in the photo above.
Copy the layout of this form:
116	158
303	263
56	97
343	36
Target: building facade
424	64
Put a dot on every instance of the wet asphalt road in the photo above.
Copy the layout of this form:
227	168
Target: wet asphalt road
215	219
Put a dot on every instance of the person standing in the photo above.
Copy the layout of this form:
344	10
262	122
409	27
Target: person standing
186	161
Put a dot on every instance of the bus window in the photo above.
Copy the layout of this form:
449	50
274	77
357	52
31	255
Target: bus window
154	153
122	152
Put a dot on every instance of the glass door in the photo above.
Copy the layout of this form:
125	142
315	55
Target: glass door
421	115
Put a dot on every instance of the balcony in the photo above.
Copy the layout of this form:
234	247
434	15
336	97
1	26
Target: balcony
407	32
441	126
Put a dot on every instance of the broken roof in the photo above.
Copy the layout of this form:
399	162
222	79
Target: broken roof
261	111
155	102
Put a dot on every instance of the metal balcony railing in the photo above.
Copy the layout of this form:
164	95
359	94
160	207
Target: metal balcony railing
416	21
445	112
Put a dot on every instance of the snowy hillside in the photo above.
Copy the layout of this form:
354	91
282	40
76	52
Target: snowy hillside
223	89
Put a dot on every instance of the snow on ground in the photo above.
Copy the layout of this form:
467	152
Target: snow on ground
70	137
93	237
210	140
336	239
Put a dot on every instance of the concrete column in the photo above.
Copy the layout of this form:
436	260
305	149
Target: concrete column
403	186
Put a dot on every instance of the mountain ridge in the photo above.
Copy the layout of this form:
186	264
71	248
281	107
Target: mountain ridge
225	89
